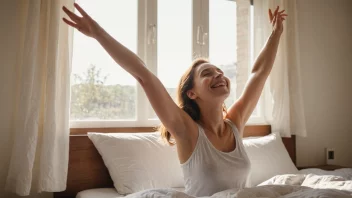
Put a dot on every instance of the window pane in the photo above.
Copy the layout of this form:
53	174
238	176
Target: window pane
222	41
101	89
174	54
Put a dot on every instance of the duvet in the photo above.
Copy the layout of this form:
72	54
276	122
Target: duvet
287	186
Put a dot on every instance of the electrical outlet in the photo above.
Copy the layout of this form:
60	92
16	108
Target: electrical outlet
330	156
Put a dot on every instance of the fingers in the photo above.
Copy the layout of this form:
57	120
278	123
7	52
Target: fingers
80	10
281	13
276	10
282	16
70	23
275	18
270	16
276	15
72	16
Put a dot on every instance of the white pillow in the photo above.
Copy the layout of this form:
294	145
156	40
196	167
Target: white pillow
268	157
138	161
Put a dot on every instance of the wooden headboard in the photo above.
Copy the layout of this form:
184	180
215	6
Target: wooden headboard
86	168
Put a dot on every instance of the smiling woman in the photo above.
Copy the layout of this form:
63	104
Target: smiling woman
200	68
198	125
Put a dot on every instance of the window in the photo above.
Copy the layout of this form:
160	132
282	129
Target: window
174	48
222	41
100	89
167	35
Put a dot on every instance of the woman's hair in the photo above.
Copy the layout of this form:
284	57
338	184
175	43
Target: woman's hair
183	101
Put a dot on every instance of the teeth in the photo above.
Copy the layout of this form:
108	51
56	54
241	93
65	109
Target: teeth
219	84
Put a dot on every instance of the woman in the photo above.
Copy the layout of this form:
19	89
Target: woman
208	138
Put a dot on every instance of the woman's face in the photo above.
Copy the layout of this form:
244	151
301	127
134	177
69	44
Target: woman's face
210	83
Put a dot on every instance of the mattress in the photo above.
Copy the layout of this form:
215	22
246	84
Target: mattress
99	192
104	193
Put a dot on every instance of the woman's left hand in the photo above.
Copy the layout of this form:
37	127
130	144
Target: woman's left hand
84	24
276	20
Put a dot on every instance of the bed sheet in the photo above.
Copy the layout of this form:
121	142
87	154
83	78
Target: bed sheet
99	192
345	173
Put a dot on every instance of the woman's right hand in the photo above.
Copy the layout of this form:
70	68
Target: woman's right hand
84	24
276	19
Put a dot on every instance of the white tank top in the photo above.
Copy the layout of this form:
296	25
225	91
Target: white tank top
208	170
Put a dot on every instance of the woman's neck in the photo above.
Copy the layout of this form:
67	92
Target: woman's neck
211	118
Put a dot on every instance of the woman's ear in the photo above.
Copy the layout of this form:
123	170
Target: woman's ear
191	94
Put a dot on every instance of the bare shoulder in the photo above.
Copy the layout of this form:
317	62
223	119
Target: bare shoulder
236	120
234	115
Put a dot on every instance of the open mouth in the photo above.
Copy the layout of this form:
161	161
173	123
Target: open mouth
219	84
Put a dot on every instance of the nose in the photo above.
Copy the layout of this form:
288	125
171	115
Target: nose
218	74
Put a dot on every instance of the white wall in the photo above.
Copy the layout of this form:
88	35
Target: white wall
8	44
325	30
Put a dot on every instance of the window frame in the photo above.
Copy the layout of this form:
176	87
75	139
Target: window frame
147	51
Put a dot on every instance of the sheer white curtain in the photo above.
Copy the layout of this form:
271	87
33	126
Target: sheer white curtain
285	82
40	116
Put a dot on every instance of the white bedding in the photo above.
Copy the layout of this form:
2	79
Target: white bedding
288	186
105	193
99	192
308	183
342	172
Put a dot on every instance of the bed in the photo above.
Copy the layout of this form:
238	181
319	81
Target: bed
89	177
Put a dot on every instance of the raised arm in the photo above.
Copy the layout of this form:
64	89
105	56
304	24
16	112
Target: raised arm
173	118
242	109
